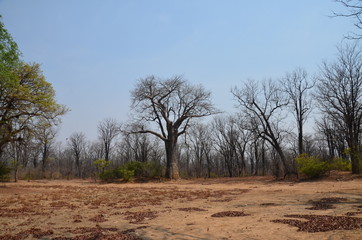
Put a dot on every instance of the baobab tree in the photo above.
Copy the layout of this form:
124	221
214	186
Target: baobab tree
170	104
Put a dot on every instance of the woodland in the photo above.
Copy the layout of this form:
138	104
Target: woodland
177	132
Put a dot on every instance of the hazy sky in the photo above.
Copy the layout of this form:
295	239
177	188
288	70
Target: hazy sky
93	51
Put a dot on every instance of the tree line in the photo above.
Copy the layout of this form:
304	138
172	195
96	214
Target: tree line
265	137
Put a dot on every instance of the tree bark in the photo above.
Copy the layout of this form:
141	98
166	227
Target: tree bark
300	137
355	158
172	171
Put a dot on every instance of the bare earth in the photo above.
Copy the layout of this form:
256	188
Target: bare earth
226	208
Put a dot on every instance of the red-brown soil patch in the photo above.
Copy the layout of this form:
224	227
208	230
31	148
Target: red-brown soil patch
139	217
318	223
230	214
81	209
325	203
192	209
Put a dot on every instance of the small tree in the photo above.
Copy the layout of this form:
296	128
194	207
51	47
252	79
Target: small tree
101	166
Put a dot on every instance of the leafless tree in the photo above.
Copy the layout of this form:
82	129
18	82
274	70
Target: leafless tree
354	11
340	96
201	146
140	146
77	144
262	107
333	134
245	136
170	104
297	86
45	134
108	130
227	139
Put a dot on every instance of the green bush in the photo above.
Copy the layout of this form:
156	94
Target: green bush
4	172
213	175
341	164
126	174
128	170
152	170
136	167
108	175
311	166
101	164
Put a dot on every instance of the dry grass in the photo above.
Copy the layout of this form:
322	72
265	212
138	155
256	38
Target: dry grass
257	208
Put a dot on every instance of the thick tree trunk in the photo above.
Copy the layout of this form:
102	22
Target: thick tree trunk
106	152
283	159
355	159
172	171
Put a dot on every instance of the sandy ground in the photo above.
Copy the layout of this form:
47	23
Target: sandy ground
182	209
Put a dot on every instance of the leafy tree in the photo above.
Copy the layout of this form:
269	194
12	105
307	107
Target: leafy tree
25	96
9	58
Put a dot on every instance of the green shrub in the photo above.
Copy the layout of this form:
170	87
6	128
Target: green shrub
101	164
4	172
213	175
128	170
108	175
152	170
136	167
311	166
341	164
126	174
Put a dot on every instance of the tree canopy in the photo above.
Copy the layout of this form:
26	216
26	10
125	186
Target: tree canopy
171	104
25	96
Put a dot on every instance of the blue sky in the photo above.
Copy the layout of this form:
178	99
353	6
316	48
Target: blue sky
93	51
